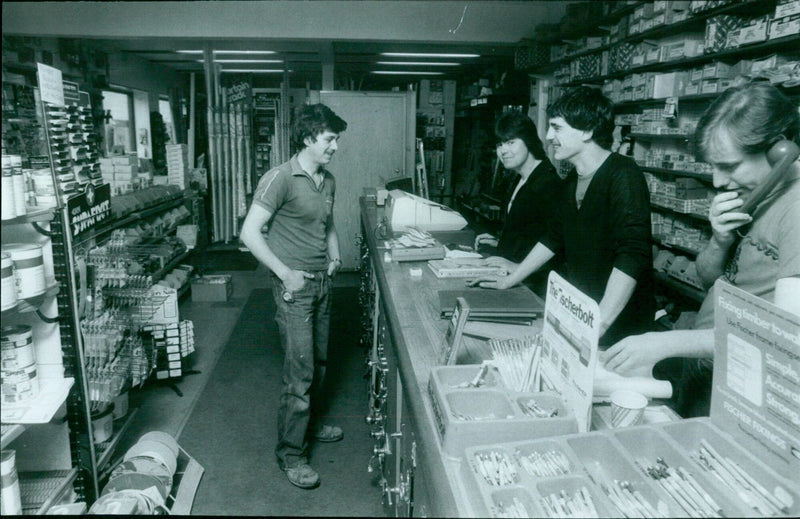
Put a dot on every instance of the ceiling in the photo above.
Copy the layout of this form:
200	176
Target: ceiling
339	41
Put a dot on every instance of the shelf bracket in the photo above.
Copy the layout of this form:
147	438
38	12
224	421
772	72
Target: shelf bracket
41	230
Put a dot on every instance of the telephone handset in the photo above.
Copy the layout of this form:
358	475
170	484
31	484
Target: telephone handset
781	155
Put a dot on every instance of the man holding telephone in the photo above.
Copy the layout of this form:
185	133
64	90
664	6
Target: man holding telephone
749	135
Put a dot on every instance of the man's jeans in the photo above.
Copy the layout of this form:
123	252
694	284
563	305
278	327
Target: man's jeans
304	324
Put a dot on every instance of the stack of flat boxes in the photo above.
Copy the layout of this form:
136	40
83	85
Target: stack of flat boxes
178	165
121	172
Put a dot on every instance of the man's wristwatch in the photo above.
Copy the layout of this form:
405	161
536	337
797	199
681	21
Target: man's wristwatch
337	260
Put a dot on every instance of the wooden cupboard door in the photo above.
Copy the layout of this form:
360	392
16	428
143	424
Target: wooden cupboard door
378	145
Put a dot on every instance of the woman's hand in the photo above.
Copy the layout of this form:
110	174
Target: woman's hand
635	355
725	218
485	239
493	282
502	263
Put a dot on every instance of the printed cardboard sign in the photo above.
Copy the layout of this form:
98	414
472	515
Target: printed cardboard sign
756	385
569	355
51	86
89	209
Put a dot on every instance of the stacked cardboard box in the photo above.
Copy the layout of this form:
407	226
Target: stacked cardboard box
121	172
178	165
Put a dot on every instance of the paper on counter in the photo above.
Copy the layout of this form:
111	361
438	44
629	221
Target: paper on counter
606	382
455	253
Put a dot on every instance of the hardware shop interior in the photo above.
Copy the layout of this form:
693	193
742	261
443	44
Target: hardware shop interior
401	258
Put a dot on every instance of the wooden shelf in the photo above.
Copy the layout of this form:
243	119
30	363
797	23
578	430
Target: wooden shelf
662	208
32	304
682	99
10	433
34	215
678	248
744	51
660	135
679	173
680	287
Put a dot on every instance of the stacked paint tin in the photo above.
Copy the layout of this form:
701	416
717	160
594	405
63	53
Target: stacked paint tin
28	269
19	381
10	501
8	292
13	189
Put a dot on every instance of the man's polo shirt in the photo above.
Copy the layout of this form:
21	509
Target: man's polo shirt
297	231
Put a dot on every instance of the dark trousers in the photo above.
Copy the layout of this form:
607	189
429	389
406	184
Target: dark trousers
304	325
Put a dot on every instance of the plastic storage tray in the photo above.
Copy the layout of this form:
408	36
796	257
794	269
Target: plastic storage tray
467	416
612	455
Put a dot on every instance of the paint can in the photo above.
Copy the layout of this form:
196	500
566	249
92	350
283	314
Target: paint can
16	347
103	424
8	290
8	206
18	183
10	500
28	268
19	386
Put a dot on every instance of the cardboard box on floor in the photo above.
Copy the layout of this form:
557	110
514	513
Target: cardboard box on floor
212	288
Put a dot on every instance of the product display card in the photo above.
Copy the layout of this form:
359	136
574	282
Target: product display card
454	333
569	355
756	385
51	87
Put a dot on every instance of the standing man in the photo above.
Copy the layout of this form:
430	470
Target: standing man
602	226
294	204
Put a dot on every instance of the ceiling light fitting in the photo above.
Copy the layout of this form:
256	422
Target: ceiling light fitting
406	73
244	61
193	51
428	55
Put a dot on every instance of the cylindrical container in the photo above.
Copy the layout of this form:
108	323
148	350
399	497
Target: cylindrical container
10	500
103	424
19	386
28	268
43	182
8	290
120	406
18	181
8	207
16	346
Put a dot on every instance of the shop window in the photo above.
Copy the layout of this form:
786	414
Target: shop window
119	129
165	109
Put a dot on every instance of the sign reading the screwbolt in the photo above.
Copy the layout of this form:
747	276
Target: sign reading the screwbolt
569	353
756	385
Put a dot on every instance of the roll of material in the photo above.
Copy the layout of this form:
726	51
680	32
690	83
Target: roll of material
18	182
19	386
8	291
10	500
607	382
16	347
8	206
28	268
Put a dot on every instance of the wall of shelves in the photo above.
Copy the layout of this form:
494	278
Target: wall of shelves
604	54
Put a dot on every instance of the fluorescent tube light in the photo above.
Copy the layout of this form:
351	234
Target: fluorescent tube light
244	52
406	73
254	71
428	55
244	61
193	51
419	63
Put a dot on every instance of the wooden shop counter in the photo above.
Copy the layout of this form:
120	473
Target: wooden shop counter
415	475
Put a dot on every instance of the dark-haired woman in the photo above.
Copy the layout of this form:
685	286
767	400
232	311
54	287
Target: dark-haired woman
533	201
